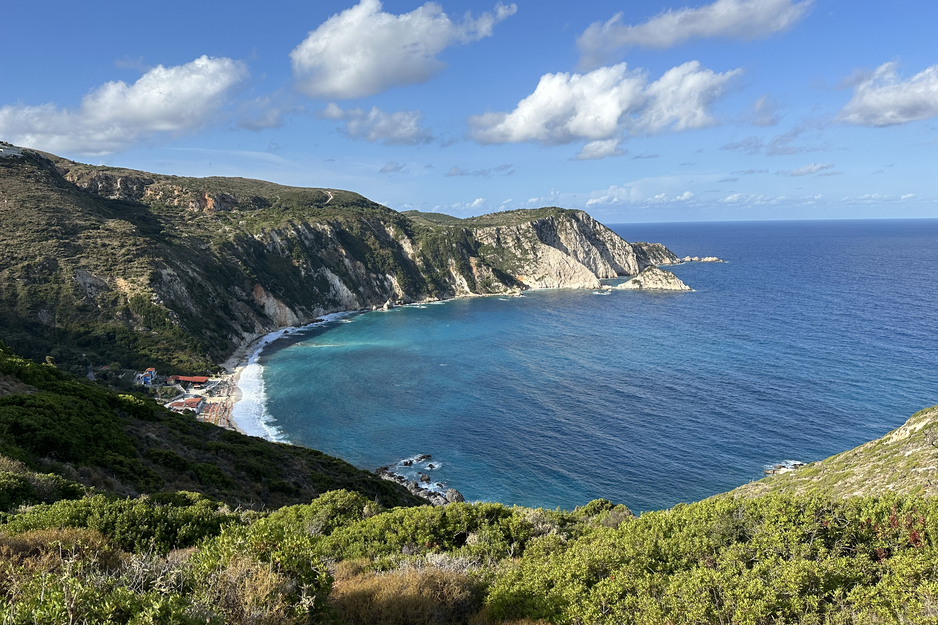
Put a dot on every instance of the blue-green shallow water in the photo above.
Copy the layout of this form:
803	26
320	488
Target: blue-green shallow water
813	338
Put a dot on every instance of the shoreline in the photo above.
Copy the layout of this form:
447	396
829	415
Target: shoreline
245	356
240	359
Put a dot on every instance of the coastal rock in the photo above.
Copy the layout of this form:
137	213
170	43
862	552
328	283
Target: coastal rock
422	457
698	259
454	496
567	250
275	264
655	279
424	478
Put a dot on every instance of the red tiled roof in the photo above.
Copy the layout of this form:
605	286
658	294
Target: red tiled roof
196	379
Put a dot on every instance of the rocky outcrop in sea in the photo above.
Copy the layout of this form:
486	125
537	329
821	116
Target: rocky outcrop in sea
401	472
655	279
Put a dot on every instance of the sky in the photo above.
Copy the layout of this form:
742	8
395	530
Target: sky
636	111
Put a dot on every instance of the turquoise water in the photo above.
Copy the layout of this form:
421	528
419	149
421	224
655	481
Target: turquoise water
813	338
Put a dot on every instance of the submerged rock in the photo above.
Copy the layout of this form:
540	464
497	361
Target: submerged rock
655	279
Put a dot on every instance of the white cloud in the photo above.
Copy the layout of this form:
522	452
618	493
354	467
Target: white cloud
595	150
601	106
882	99
363	50
637	194
113	117
734	19
398	128
807	170
463	206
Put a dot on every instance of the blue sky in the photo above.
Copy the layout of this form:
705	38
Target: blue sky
635	111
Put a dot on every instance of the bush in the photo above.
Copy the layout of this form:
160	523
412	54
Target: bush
425	596
137	525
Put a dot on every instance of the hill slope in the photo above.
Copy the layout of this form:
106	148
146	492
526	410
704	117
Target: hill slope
125	445
104	264
904	461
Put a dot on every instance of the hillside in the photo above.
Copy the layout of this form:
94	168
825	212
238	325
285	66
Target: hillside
345	557
102	264
83	434
904	461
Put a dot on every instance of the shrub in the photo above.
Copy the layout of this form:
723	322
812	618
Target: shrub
425	596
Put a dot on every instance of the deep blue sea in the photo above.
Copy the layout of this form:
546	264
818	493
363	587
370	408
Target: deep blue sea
812	338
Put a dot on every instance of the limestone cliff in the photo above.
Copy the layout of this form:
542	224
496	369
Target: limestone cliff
566	249
655	279
112	264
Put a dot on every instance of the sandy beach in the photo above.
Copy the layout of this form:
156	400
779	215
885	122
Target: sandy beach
238	362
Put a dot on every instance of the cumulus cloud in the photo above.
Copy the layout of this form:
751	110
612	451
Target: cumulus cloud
115	116
363	50
601	106
807	170
883	99
505	170
398	128
749	172
733	19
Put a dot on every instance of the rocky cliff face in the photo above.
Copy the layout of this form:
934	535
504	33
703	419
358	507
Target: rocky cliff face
655	279
567	250
139	267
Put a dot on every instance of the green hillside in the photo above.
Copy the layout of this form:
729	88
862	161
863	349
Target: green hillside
904	461
122	444
117	511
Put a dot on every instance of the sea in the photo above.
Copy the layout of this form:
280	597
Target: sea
812	338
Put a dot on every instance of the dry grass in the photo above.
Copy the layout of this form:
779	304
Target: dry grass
248	592
409	596
48	550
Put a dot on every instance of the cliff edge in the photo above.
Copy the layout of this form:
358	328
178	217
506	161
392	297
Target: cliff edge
116	265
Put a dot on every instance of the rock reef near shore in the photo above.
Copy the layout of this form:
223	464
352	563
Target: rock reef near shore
655	279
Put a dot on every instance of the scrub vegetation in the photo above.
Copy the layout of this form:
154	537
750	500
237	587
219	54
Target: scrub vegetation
101	523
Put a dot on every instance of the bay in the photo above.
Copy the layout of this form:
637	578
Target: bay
812	338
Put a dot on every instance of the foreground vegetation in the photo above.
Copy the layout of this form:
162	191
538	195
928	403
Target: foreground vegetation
116	511
60	435
343	559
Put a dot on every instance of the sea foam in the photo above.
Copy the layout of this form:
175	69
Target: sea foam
250	413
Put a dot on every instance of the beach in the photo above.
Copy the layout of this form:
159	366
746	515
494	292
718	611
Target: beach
248	397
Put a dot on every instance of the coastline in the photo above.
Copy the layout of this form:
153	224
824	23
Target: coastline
241	359
246	382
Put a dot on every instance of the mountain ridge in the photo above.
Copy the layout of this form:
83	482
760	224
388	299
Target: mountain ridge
175	272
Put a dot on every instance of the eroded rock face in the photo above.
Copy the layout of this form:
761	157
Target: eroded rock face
112	186
571	250
698	259
655	279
